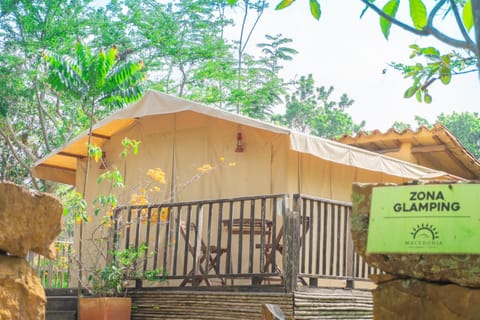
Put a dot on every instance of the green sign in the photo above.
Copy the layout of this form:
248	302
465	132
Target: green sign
434	218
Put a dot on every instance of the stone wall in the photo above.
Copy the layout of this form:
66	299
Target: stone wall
29	221
417	286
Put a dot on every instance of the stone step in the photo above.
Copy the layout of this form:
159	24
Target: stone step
61	315
61	303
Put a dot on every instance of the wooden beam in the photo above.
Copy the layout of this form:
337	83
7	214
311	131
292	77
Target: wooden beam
429	148
57	167
101	136
73	155
383	151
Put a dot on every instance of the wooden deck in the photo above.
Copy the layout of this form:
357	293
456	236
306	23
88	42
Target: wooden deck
243	305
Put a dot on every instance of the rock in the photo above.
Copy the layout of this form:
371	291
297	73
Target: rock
29	221
413	299
22	296
462	269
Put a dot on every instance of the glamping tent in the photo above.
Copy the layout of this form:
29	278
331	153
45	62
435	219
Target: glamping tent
240	196
179	136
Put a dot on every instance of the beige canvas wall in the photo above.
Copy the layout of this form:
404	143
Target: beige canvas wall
181	143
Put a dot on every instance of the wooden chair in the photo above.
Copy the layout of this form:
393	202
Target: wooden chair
305	227
203	253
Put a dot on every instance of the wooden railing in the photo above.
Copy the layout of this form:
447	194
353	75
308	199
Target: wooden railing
244	241
326	246
213	242
239	241
54	273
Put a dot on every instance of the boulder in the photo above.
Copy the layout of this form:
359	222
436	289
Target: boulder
29	221
462	269
413	299
22	296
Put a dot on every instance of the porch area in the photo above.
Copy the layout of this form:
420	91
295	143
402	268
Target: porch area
278	241
224	258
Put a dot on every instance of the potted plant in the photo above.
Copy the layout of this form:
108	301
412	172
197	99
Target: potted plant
108	286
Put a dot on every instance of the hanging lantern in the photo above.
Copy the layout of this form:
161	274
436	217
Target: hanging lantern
239	147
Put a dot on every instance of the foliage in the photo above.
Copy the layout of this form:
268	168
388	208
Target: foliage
424	22
48	101
401	126
112	280
32	122
310	109
96	80
109	275
466	127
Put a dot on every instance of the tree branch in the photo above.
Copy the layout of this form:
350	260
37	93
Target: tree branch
476	19
254	25
458	19
395	21
441	36
22	146
429	29
41	117
14	151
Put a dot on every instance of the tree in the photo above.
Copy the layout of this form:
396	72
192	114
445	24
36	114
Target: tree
178	41
261	86
31	121
400	126
100	82
466	127
245	33
423	22
310	109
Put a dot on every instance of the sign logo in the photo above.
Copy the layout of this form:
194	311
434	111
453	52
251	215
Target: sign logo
423	236
424	232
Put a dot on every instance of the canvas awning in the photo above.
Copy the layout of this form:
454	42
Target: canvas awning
433	147
61	164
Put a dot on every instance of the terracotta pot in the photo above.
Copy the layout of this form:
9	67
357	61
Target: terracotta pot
111	308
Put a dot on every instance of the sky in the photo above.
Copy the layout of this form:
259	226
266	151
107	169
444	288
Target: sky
350	54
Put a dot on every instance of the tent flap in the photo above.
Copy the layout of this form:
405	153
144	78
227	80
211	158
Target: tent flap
344	154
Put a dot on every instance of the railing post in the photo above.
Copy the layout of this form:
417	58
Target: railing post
350	254
291	242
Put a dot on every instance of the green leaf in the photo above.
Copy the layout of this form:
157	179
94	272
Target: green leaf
232	2
430	51
446	59
315	9
467	15
410	92
418	13
390	8
284	4
419	95
427	98
445	75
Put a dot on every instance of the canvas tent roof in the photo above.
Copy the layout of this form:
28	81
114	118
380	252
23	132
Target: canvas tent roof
61	164
435	148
